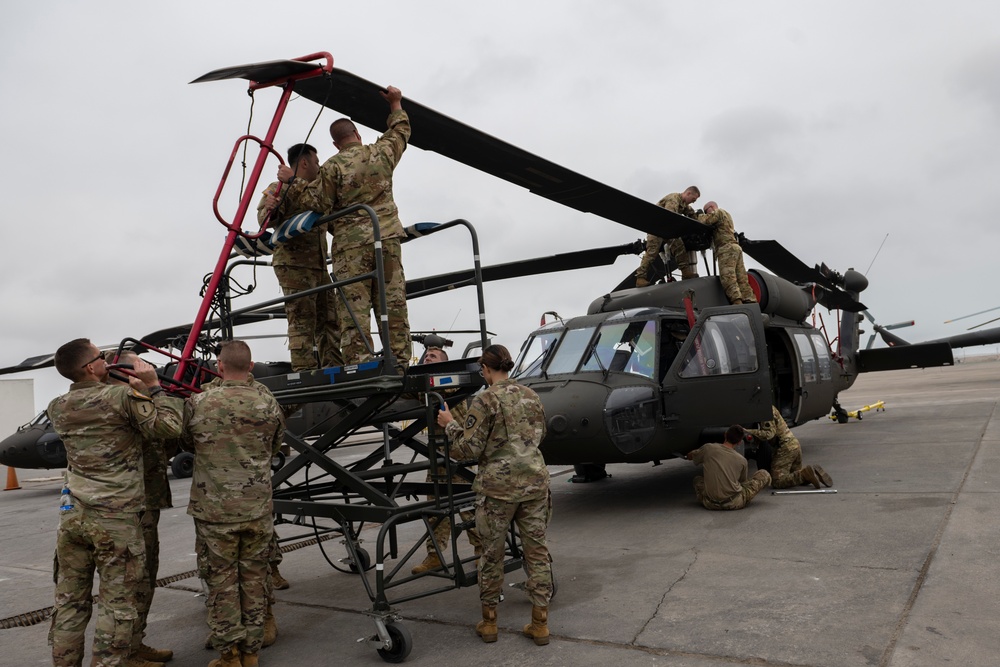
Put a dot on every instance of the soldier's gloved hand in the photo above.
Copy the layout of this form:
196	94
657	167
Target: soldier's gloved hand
641	282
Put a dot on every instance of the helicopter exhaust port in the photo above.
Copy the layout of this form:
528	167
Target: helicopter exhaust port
782	298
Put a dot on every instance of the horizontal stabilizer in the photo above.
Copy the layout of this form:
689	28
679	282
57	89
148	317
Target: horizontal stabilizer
918	355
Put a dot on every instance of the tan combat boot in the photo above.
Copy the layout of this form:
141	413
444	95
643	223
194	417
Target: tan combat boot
230	657
153	654
487	628
431	562
135	661
278	582
809	475
249	660
823	476
538	629
270	629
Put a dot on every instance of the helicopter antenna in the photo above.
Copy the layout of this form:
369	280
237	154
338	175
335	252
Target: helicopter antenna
456	319
876	253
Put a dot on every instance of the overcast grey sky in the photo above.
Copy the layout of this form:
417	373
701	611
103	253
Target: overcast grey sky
826	126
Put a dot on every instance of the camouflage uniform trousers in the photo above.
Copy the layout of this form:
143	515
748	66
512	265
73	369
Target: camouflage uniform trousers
751	488
786	465
493	519
110	543
233	557
148	522
363	296
441	527
685	260
313	327
274	558
733	274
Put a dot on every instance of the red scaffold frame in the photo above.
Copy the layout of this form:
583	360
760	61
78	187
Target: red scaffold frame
235	227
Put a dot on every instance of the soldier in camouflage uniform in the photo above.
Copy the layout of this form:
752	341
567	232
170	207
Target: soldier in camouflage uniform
786	461
678	202
725	485
103	427
360	174
301	264
234	428
728	254
158	497
442	527
503	429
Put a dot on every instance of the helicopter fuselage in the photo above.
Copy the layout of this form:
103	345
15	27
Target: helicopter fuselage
642	377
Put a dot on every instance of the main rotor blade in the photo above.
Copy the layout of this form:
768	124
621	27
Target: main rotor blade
580	259
981	312
360	99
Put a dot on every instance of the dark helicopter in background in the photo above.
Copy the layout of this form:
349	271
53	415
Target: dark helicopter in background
648	373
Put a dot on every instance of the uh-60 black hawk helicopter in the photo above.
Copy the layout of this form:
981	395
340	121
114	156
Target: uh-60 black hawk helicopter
648	374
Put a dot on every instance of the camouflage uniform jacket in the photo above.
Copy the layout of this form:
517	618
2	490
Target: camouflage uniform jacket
359	174
103	428
234	428
306	251
503	429
775	431
723	232
673	202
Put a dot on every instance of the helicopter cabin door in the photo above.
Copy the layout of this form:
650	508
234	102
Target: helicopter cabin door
719	375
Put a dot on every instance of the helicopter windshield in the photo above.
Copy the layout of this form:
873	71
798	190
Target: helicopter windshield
529	363
624	347
570	350
724	345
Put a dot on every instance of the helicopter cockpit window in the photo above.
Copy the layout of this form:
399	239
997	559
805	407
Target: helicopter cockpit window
808	357
601	353
823	357
570	350
723	346
529	363
624	347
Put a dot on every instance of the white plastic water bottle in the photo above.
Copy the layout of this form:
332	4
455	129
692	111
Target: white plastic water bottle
65	500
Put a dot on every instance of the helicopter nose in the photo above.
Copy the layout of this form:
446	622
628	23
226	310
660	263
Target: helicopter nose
33	449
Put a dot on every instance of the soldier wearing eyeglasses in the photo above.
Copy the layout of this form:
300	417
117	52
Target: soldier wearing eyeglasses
103	427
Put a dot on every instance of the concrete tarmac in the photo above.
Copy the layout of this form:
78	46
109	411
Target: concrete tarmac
897	569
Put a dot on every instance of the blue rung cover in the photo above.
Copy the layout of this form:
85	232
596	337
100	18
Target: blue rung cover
297	225
419	229
251	248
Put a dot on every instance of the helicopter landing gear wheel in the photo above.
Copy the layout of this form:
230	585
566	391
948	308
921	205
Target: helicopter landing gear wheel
182	465
362	564
401	643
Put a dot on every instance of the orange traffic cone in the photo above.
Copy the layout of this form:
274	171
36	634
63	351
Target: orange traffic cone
12	483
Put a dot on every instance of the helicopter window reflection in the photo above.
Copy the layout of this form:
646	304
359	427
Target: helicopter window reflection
808	357
529	364
627	347
570	350
602	352
823	356
723	346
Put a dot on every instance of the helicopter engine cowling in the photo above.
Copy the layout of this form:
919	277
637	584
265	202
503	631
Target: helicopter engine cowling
782	298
